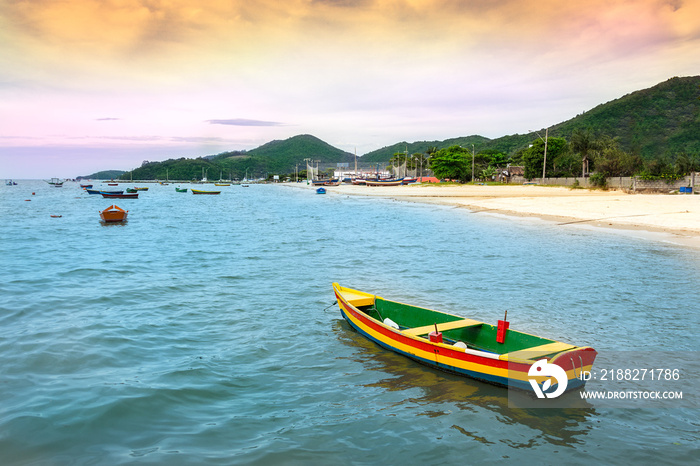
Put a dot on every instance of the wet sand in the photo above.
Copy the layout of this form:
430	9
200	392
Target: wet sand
665	217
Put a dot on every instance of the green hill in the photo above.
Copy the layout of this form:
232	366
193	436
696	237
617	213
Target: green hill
103	175
385	153
664	119
656	122
275	157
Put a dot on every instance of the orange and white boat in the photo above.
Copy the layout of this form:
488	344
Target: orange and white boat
113	214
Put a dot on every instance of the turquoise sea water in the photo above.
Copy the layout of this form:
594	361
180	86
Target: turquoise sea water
202	331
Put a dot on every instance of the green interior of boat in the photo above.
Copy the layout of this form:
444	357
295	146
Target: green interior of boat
476	335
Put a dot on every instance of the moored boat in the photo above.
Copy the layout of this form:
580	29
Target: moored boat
321	191
99	191
131	190
199	191
137	188
181	190
384	182
113	214
222	184
55	182
466	347
119	195
84	186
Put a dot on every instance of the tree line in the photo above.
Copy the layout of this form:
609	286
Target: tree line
582	155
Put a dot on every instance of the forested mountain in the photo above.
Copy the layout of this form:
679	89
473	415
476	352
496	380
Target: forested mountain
103	175
275	157
660	122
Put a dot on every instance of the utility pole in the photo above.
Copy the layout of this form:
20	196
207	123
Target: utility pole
473	157
544	165
546	137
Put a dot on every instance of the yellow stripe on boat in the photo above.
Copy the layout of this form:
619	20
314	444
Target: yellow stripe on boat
426	329
537	351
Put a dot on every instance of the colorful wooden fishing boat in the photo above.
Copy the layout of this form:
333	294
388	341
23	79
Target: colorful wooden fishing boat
199	191
119	195
141	189
113	214
131	190
181	190
467	347
222	184
86	186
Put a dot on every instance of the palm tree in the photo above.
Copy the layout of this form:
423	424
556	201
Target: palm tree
582	143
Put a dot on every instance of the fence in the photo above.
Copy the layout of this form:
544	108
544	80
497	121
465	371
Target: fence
624	183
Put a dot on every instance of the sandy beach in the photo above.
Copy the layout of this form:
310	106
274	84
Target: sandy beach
664	217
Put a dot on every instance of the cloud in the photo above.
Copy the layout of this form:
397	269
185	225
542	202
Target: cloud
107	119
244	122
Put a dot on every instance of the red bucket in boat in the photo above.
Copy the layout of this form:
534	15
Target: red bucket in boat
436	337
501	333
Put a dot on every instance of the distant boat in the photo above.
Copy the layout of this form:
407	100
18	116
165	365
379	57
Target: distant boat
131	190
466	347
120	195
84	186
409	180
140	189
321	191
112	184
384	182
181	190
55	183
10	183
99	191
113	214
199	191
222	184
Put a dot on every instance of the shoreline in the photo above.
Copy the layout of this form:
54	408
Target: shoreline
660	217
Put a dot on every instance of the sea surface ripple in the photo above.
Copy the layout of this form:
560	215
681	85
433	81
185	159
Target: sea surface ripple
203	330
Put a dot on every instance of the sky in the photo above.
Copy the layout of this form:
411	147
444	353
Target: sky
89	85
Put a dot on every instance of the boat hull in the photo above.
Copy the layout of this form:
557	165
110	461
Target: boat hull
197	191
499	369
120	196
384	183
114	214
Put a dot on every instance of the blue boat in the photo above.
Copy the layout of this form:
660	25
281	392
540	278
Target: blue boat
321	191
99	191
